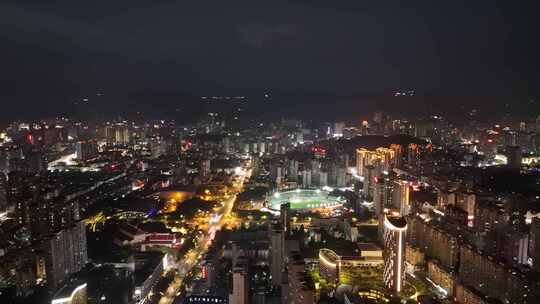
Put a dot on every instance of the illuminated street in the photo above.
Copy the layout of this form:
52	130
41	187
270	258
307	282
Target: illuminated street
184	266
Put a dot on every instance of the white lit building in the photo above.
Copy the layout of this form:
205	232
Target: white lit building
72	293
395	230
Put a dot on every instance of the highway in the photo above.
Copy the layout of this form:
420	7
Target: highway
184	266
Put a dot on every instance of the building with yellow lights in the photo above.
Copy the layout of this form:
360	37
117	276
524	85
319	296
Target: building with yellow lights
381	158
332	265
371	295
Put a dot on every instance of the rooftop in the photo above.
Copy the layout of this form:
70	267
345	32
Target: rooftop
69	290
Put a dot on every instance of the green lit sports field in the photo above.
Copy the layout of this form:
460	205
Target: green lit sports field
304	199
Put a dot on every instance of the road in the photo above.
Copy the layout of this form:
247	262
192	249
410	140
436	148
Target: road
187	263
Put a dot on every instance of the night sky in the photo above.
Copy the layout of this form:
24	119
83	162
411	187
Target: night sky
339	54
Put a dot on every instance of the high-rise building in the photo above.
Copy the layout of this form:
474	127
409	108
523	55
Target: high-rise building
400	196
381	158
341	177
240	292
395	233
285	217
467	202
293	170
378	117
322	179
262	147
440	276
276	172
159	146
513	154
86	150
3	193
445	198
66	253
226	145
19	194
122	135
254	147
488	276
301	288
382	194
434	242
338	129
306	178
277	244
204	168
368	174
382	200
534	241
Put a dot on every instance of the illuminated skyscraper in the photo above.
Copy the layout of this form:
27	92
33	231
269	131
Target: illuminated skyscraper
395	230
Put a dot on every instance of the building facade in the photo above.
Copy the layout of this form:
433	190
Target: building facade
395	233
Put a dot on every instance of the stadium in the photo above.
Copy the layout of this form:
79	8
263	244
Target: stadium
304	199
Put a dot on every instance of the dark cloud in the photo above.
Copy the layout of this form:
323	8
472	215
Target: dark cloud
54	51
